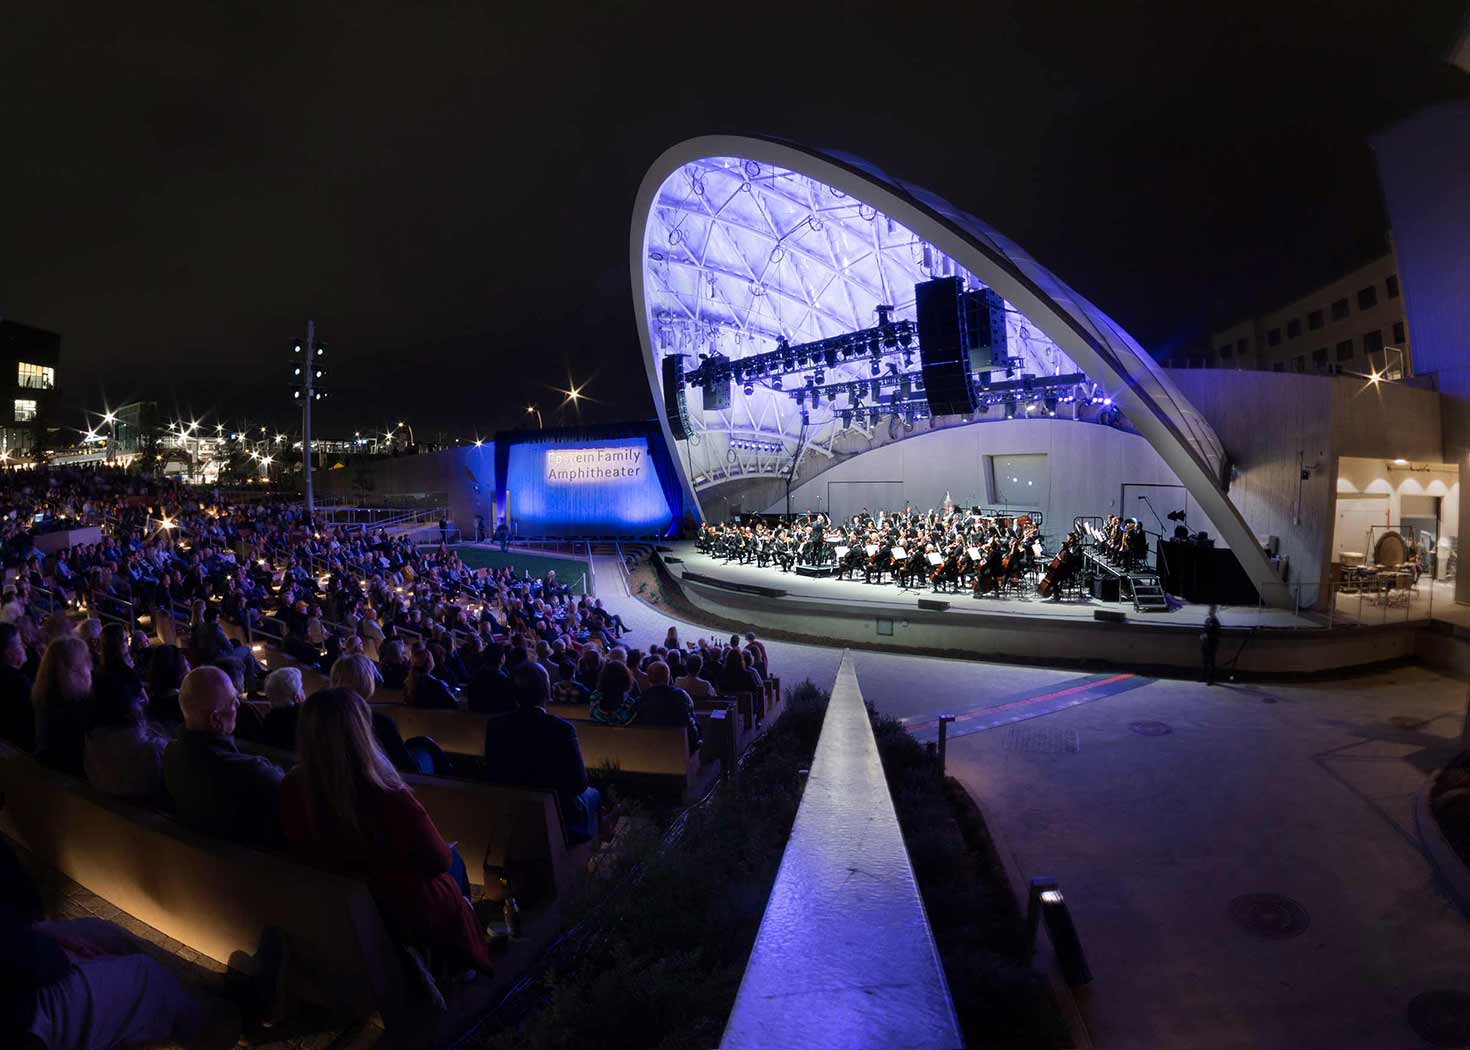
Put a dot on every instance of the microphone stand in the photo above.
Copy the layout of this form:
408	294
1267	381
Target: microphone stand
1155	513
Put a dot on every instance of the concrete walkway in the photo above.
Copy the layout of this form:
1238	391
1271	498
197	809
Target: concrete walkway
1153	836
1299	790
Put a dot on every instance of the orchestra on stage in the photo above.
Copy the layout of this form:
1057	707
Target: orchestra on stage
946	550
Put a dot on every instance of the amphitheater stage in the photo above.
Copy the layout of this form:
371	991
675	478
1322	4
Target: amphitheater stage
827	610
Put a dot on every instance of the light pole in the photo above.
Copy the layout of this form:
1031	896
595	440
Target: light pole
308	370
408	428
533	408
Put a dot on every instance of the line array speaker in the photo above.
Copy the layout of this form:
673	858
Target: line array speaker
675	407
985	327
944	349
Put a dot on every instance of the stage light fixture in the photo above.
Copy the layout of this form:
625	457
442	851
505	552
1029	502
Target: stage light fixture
1010	404
748	389
875	369
1050	404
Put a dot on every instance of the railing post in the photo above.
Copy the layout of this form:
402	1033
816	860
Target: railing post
944	721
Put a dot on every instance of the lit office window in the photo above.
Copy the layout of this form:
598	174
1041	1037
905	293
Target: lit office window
35	377
25	411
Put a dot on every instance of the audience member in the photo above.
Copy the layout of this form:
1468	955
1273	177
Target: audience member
423	689
735	676
60	697
567	689
662	704
757	650
489	691
355	672
285	693
217	789
124	753
612	703
166	673
79	984
345	804
692	681
393	665
17	717
534	749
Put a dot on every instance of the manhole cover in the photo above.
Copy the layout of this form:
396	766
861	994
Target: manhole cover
1270	915
1441	1017
1046	741
1150	728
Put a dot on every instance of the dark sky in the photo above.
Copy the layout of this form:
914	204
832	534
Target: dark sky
448	189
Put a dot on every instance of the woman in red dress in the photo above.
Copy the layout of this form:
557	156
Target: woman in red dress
344	806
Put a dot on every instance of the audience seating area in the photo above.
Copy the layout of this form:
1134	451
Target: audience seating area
244	587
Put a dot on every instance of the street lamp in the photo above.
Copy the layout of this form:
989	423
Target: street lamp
533	408
408	428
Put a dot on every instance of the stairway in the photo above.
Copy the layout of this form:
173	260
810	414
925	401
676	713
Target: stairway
1148	593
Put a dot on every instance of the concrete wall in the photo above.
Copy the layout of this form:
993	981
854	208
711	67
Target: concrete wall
1087	468
466	476
1142	646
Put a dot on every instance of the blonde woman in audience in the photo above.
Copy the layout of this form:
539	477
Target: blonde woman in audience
345	804
356	672
60	698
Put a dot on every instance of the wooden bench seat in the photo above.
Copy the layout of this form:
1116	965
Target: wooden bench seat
654	752
216	897
211	895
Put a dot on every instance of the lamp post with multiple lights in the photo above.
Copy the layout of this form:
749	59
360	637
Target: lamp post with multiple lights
308	369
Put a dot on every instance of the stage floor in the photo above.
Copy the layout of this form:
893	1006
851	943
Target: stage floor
847	593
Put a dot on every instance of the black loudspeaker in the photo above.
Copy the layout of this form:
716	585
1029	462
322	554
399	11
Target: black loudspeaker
985	329
675	406
1108	616
1106	588
944	349
930	603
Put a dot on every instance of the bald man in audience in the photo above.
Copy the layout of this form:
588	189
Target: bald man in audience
217	789
662	704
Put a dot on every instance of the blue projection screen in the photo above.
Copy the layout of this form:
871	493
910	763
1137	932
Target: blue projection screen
602	488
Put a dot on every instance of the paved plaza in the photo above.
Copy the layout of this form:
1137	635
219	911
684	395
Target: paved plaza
1157	802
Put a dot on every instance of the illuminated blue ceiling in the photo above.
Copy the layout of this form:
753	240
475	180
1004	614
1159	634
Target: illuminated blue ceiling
740	254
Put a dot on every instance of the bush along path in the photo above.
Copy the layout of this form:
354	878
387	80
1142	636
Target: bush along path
978	926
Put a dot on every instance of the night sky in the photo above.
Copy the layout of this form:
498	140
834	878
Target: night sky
448	191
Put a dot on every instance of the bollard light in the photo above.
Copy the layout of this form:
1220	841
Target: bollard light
1046	904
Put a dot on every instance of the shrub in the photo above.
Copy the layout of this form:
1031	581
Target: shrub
665	930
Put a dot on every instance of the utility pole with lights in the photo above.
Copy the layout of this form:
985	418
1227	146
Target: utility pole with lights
308	369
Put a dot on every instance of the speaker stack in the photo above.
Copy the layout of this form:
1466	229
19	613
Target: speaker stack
944	350
675	406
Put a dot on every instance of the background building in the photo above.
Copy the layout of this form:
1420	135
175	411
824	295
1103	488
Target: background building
28	362
1355	323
